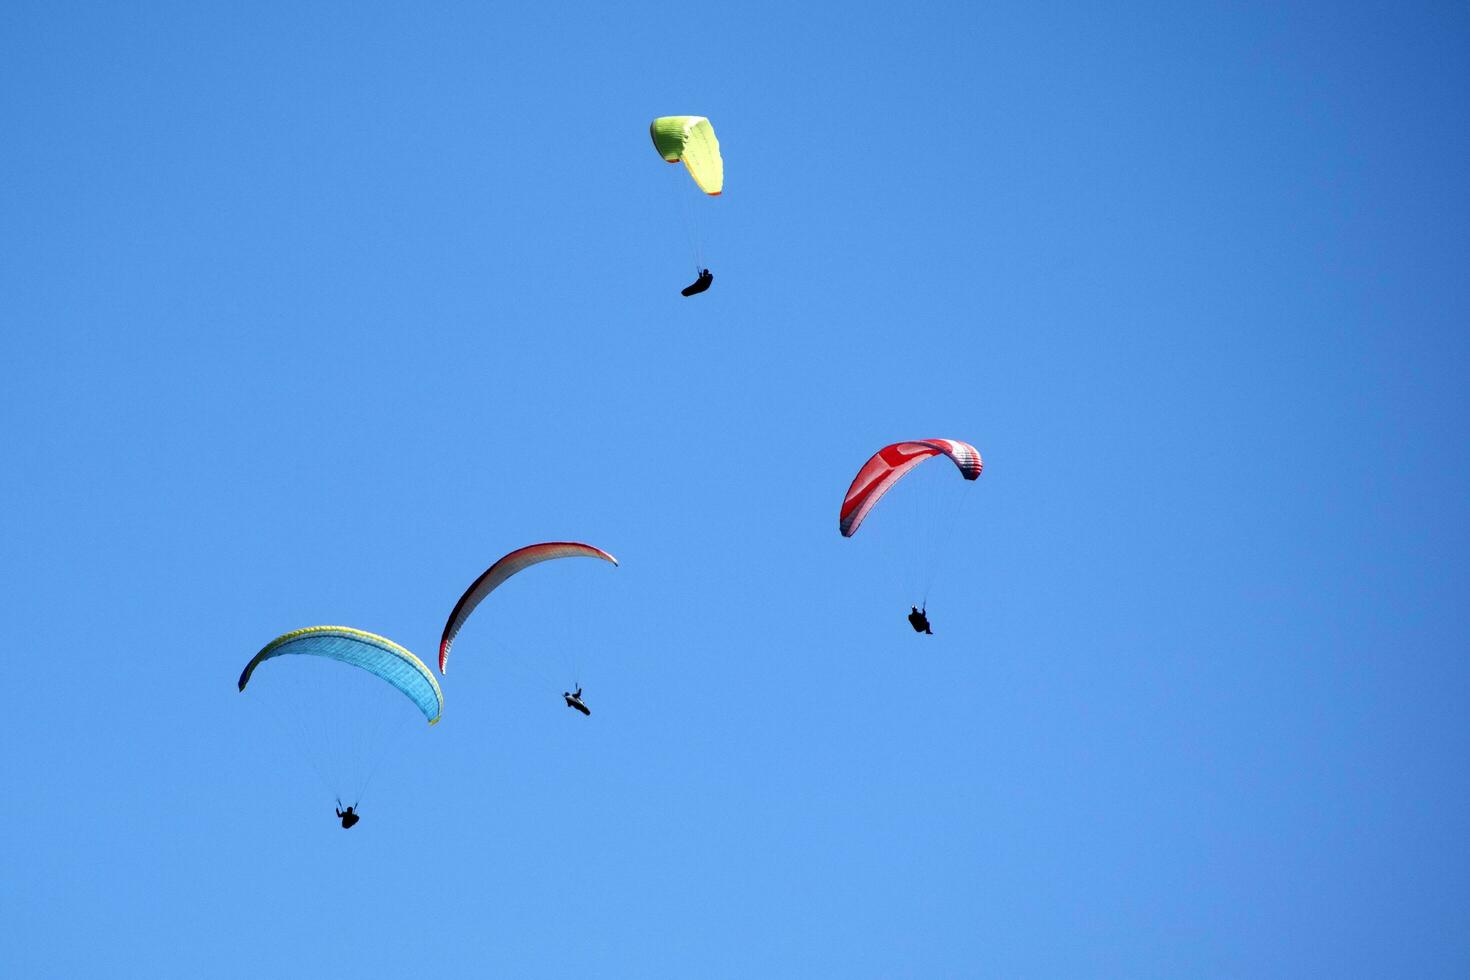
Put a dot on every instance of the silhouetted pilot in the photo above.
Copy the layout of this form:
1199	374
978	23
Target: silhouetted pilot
348	817
699	285
575	701
919	621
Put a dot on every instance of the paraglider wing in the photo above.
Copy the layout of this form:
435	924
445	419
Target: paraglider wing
889	464
692	140
375	654
500	571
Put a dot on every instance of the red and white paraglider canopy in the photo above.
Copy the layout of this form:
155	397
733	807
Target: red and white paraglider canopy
889	465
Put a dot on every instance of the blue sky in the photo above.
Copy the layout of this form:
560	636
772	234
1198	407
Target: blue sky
310	312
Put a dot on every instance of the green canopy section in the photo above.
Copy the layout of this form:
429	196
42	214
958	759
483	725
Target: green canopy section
691	139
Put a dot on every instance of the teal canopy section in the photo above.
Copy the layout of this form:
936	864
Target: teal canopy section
375	654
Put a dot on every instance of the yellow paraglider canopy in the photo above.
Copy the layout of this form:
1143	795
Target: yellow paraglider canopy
691	139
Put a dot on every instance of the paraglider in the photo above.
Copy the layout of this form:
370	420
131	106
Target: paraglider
691	140
343	721
882	472
496	575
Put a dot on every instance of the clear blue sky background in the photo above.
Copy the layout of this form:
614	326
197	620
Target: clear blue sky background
310	311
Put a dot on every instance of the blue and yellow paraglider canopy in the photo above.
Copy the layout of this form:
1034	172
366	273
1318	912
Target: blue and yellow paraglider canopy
375	654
